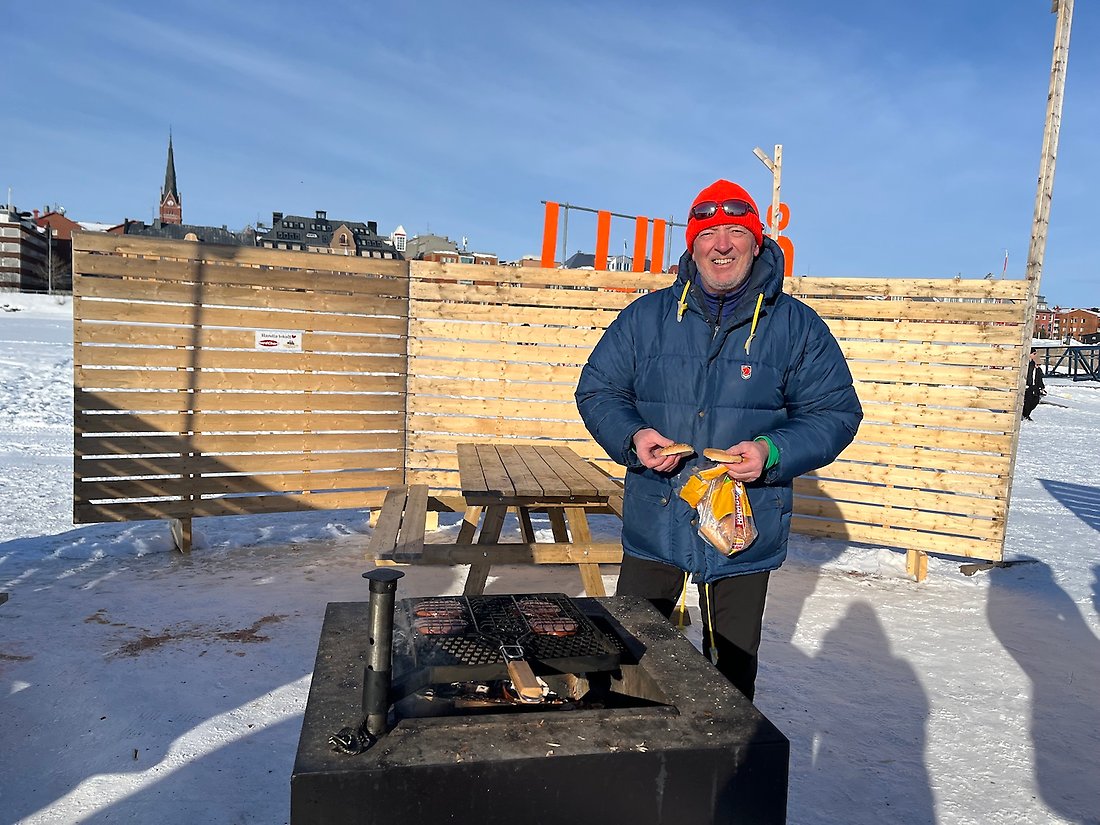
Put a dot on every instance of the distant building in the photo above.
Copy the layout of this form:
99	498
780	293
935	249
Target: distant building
59	229
62	227
1080	324
399	238
186	232
319	234
615	263
442	249
171	204
24	252
1046	320
97	226
1058	324
580	260
528	261
624	263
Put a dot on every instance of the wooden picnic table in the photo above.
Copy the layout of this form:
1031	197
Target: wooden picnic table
495	478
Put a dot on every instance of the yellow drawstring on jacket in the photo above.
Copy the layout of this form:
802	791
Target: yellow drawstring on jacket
713	652
681	611
755	318
682	308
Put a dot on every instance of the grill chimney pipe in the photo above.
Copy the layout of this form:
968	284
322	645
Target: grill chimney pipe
376	676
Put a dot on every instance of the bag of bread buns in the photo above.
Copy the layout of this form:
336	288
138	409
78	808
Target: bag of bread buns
725	515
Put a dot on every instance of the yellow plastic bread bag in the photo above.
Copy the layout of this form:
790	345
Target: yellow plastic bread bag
725	515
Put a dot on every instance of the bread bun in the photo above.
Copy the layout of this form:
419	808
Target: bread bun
717	539
721	456
676	449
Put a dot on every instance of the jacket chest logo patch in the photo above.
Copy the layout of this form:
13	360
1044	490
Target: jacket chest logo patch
746	371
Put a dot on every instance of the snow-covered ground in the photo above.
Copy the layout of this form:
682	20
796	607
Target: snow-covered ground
140	685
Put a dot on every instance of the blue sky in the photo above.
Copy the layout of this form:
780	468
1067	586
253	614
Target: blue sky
911	132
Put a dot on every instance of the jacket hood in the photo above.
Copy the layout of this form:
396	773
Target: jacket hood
766	275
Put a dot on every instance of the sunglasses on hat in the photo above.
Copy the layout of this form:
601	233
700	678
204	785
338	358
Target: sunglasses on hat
734	207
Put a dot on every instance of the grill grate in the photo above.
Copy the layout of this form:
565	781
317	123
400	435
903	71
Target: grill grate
501	618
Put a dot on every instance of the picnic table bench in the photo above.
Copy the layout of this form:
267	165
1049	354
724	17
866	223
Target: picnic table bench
495	478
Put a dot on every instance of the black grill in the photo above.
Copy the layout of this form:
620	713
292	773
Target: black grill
668	739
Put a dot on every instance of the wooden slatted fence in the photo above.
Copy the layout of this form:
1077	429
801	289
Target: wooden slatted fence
936	363
187	406
937	368
180	414
495	354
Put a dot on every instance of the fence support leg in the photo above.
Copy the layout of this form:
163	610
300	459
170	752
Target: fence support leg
181	533
916	564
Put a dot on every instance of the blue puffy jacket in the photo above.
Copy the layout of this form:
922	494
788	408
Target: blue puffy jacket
697	382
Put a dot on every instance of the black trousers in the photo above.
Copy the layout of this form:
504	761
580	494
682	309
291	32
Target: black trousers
737	610
1031	401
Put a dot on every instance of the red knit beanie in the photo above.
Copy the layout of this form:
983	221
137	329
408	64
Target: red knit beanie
723	190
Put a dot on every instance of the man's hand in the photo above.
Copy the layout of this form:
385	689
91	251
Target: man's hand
648	443
754	454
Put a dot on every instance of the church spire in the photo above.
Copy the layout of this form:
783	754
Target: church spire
171	205
170	173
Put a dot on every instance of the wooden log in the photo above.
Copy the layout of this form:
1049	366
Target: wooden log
269	278
235	255
127	312
229	506
931	288
106	492
431	272
142	337
91	379
911	331
199	359
198	294
508	296
516	333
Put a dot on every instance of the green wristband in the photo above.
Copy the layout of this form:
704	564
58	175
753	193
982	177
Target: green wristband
773	451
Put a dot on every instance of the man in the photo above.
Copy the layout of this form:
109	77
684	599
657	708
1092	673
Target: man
721	359
1035	388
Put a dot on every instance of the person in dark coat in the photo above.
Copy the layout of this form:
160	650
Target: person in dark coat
722	359
1035	388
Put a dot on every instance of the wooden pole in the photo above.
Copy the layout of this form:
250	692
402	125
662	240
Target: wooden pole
1043	195
777	176
1045	189
776	168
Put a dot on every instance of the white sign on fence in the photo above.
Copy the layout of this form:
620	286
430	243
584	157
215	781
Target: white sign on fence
279	340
